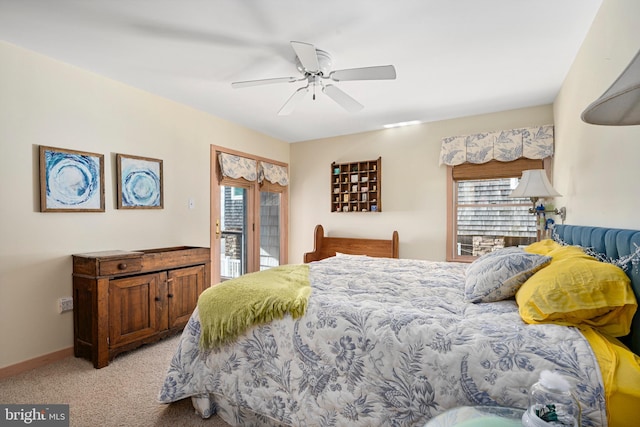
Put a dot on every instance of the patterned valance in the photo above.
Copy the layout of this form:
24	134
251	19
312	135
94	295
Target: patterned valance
275	174
505	146
238	167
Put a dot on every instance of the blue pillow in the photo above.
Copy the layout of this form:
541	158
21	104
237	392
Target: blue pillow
499	274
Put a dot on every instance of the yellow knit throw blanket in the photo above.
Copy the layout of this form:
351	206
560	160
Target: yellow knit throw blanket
227	309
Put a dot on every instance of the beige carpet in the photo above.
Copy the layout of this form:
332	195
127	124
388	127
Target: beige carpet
121	394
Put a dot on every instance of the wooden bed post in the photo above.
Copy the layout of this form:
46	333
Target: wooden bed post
318	236
395	245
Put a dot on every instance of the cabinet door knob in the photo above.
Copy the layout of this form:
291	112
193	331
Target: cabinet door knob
170	295
122	266
157	298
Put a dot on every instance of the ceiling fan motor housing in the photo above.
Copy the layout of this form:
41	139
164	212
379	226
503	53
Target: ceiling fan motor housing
324	63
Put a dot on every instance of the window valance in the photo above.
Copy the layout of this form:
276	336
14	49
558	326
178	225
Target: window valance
233	166
275	174
505	146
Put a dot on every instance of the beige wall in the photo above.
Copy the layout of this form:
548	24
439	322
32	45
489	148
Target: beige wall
44	102
597	167
413	184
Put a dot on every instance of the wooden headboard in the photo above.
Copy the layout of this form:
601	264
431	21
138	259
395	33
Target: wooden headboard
325	247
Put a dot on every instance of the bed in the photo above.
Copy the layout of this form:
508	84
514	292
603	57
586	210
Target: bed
388	341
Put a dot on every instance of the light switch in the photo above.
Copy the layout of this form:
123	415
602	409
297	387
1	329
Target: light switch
192	204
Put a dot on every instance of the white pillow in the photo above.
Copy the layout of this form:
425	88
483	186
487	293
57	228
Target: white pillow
340	254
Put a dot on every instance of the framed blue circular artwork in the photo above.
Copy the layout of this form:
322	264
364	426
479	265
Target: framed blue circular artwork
139	182
71	180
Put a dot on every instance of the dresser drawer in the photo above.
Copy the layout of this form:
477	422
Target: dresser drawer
113	267
107	263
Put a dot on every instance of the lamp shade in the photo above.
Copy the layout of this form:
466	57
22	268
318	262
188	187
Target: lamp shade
534	183
620	104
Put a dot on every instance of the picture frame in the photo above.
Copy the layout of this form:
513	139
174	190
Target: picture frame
140	182
71	180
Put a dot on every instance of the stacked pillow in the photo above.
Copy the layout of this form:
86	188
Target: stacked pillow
499	274
555	284
575	289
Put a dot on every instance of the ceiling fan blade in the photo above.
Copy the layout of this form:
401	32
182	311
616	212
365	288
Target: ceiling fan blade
307	55
293	100
347	102
382	72
248	83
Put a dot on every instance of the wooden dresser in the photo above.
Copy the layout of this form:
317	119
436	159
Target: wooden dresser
123	299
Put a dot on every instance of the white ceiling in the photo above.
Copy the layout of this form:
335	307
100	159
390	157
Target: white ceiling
453	58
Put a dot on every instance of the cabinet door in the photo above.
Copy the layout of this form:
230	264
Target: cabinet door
133	308
184	287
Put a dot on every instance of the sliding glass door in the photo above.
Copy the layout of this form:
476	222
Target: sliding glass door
233	232
248	219
269	229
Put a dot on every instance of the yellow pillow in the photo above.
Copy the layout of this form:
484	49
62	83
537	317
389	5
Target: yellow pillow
578	289
564	252
556	250
543	247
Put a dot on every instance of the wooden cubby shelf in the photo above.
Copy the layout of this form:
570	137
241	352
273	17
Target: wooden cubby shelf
356	186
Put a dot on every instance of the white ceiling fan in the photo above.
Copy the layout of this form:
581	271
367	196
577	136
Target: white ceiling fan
315	66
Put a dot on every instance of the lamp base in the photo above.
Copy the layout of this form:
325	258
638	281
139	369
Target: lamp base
562	212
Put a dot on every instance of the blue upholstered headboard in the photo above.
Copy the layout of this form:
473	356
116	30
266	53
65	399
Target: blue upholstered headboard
614	243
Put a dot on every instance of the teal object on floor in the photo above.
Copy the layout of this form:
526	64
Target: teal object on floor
490	421
478	416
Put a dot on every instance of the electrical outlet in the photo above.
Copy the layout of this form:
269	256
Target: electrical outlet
65	304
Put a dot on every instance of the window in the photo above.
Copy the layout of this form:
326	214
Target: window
480	215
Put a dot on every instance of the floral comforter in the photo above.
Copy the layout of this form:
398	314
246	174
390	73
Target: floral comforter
384	342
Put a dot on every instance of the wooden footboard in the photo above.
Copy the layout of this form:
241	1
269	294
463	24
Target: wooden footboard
325	247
